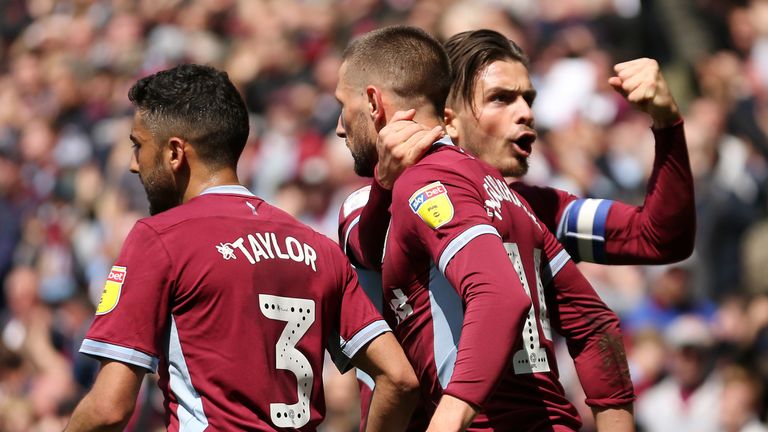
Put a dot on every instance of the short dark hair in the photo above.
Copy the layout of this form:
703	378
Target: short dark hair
197	103
408	60
470	52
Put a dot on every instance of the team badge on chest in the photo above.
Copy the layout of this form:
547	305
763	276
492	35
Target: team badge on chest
432	204
112	289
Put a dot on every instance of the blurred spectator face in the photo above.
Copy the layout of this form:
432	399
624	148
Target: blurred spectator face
689	340
146	161
354	125
497	125
21	291
739	401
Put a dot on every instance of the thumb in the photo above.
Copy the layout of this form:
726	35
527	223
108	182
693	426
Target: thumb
403	115
616	83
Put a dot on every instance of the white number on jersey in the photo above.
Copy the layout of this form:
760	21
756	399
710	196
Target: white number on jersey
532	358
299	314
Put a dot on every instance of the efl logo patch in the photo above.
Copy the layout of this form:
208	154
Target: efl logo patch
112	289
432	204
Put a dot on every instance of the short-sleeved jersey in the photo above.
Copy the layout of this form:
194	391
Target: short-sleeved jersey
233	302
445	202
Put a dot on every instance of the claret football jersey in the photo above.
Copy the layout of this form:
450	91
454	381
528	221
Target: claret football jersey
233	303
446	202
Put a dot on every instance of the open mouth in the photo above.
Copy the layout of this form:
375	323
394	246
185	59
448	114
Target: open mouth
525	142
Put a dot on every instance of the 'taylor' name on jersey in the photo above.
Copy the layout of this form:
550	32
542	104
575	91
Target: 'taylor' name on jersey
267	246
498	191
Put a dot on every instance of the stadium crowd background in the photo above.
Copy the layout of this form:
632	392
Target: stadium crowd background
67	199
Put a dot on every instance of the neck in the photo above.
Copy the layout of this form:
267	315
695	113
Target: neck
197	184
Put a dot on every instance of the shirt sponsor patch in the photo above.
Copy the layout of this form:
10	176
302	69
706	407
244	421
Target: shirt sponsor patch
432	204
112	288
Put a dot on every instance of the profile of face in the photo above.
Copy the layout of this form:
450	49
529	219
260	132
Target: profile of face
355	124
155	175
499	130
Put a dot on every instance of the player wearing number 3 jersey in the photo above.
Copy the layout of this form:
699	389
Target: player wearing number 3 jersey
232	301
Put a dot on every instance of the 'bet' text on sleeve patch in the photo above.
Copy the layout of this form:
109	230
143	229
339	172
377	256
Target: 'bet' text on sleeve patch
432	204
112	289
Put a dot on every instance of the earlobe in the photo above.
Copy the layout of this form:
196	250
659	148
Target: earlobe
452	123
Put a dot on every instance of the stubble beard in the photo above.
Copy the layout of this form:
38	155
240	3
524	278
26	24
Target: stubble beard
362	148
160	189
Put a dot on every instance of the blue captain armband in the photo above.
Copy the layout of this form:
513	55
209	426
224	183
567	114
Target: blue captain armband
582	229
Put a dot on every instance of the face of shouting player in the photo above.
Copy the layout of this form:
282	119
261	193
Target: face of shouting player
149	163
355	124
499	130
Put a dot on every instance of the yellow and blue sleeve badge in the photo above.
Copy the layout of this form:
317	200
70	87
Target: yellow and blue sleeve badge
112	288
432	204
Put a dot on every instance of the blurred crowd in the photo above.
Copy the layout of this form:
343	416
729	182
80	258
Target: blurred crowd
696	331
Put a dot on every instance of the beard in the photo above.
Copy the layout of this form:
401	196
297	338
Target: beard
520	169
160	189
362	148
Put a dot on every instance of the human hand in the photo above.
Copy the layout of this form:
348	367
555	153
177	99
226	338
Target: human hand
641	83
401	143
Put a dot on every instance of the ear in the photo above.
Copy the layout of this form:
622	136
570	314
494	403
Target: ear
452	124
177	152
376	106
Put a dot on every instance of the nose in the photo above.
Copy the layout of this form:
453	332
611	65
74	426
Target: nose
340	131
523	112
134	166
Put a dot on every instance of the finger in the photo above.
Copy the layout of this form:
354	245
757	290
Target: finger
409	130
616	83
641	95
403	115
630	64
425	141
631	83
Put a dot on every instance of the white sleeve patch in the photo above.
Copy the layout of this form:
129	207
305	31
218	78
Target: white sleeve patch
356	200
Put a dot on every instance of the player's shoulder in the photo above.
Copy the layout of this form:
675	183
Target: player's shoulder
354	202
444	161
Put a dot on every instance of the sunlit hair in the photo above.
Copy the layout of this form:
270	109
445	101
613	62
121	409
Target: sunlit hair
469	53
405	60
199	104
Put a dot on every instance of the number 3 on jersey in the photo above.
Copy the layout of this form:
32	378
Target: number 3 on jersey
299	314
532	358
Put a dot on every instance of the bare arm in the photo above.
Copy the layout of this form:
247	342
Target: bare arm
110	403
619	419
452	414
396	391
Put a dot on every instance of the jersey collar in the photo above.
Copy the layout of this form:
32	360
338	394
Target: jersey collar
228	189
444	141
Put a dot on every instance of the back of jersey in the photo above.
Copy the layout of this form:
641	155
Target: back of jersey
237	305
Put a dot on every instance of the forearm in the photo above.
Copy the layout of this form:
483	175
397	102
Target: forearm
391	406
495	308
89	416
660	231
594	340
110	403
396	388
452	414
372	228
619	419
